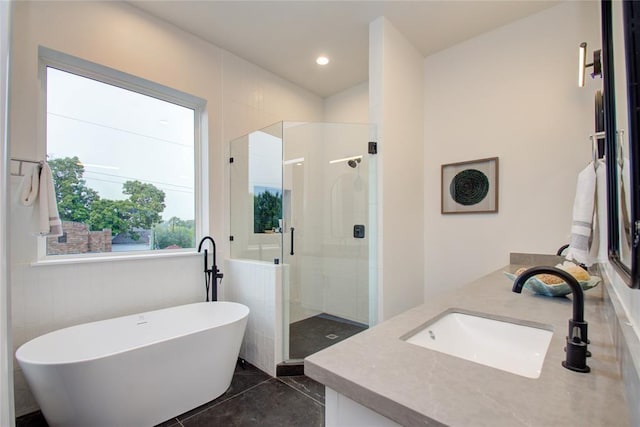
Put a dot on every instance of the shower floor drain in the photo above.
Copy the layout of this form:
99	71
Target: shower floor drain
331	336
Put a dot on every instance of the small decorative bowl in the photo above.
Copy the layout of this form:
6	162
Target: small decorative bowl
559	290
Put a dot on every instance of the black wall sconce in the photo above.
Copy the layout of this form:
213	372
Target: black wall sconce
582	65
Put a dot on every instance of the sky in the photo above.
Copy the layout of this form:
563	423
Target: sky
120	135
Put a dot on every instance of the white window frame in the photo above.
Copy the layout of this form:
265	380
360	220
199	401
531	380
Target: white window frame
64	62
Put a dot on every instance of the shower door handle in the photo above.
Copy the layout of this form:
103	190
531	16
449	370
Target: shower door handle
292	230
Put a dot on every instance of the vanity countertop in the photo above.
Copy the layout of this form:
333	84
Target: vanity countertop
416	386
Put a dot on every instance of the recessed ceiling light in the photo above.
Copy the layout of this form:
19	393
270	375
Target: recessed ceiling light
322	60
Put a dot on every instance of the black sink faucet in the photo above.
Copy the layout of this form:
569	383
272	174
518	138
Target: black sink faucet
211	274
576	359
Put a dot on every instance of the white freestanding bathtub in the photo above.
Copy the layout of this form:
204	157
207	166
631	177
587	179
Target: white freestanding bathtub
137	370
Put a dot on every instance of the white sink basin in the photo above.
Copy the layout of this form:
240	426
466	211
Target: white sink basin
514	346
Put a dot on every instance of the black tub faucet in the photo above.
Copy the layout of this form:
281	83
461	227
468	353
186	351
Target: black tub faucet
576	359
206	261
211	274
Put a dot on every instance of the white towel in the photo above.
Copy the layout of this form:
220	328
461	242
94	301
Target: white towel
28	192
50	224
582	225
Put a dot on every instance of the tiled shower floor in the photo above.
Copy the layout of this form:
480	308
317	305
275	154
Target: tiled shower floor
318	332
253	399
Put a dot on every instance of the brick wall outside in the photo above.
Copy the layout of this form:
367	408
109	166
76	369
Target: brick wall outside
100	241
79	240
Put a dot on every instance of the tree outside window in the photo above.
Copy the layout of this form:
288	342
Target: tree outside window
267	209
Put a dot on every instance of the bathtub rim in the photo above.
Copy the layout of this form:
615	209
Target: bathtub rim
245	311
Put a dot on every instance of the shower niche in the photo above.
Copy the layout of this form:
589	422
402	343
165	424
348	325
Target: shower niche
303	195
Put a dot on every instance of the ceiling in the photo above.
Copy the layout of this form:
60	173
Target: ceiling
285	37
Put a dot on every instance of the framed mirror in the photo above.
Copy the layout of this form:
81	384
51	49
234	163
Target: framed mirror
621	61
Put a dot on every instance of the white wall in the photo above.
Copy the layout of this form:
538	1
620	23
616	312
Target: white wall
349	106
510	93
6	348
396	100
240	96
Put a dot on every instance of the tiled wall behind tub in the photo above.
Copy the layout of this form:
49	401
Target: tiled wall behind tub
258	285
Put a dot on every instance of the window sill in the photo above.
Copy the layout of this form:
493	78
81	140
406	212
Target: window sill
70	259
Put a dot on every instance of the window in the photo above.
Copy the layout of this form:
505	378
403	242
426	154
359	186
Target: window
124	157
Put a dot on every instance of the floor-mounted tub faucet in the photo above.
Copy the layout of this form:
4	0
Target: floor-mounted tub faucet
212	274
576	359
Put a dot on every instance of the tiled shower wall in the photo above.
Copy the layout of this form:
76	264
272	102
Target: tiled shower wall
258	285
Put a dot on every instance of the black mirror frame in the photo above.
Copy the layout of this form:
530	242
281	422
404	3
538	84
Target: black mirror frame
631	21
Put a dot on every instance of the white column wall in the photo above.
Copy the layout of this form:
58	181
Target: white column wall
396	106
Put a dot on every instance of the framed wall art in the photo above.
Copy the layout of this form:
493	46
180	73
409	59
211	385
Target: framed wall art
470	187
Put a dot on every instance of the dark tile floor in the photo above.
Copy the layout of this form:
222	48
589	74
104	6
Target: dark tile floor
318	332
253	399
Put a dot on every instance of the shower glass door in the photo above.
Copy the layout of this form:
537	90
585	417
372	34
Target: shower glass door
256	195
327	181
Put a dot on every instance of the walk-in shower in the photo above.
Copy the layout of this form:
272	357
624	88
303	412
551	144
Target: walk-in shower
303	195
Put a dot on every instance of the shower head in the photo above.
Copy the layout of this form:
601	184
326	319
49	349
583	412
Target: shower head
353	163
